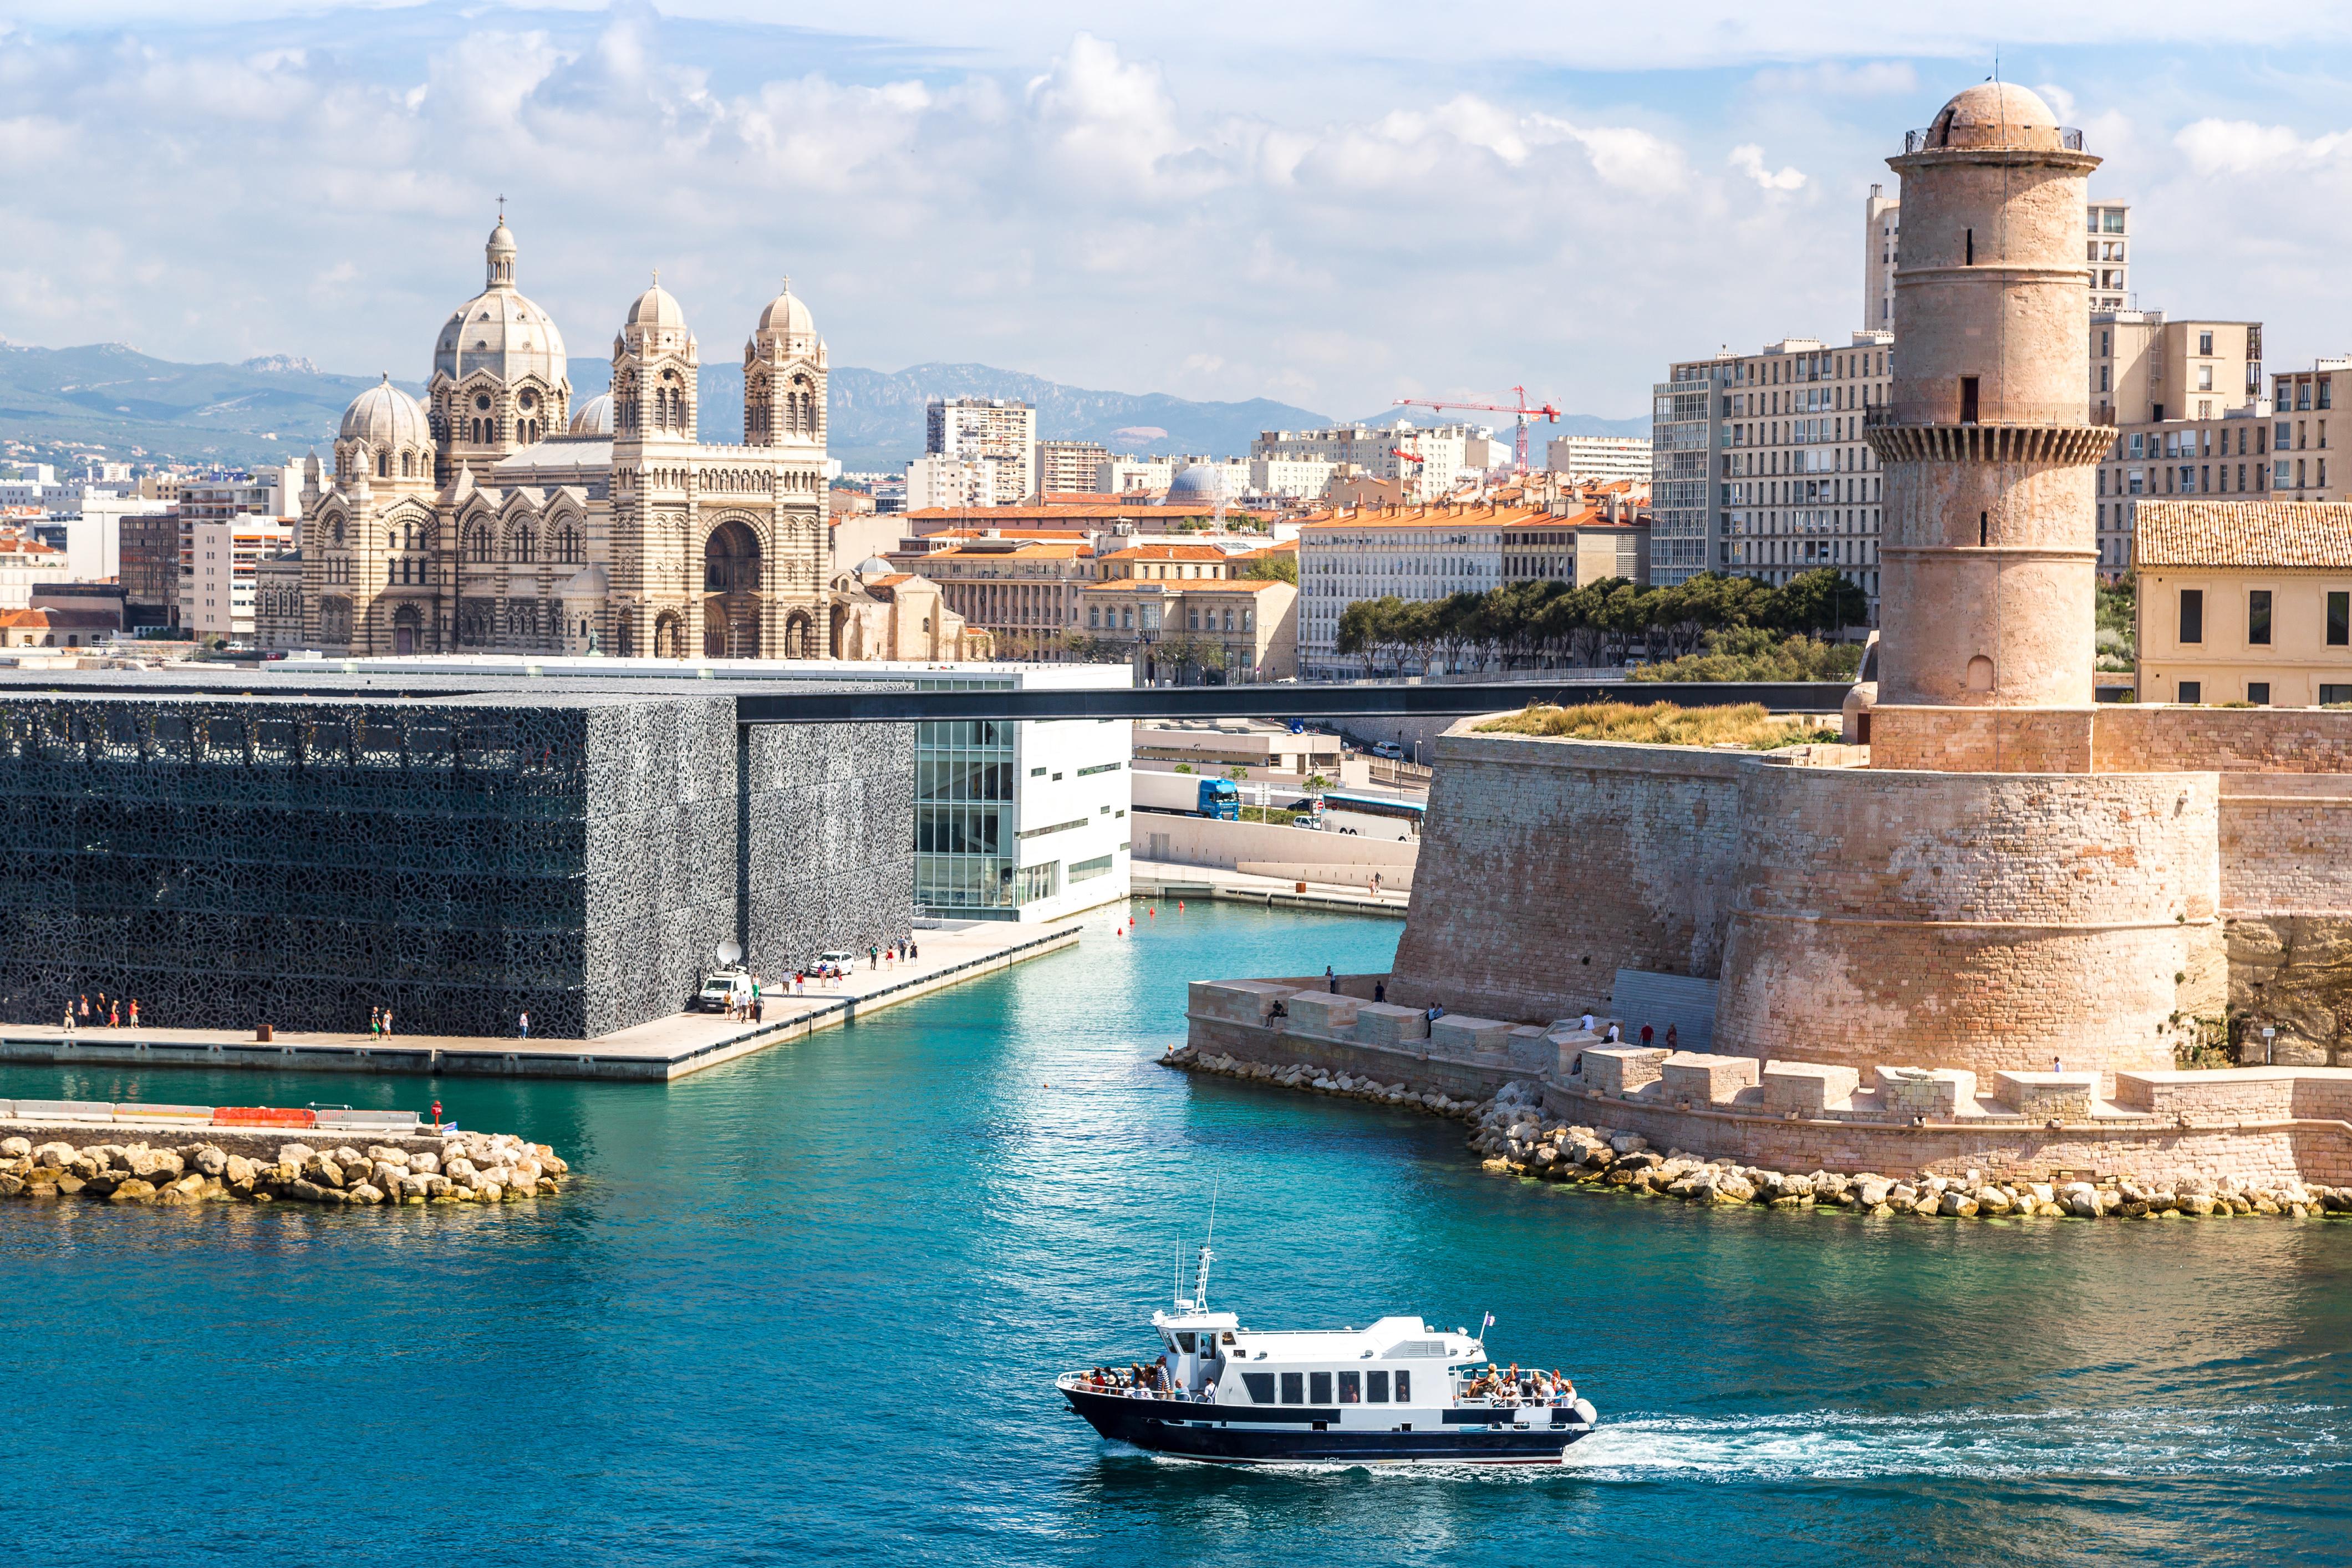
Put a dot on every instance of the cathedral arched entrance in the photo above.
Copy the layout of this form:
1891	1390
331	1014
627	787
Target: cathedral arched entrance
407	629
625	635
730	585
669	636
797	633
840	625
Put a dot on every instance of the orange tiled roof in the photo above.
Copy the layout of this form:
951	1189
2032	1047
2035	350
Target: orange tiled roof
1479	514
2266	535
1169	553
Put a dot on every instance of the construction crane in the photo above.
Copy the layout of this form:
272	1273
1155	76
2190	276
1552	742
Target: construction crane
1523	410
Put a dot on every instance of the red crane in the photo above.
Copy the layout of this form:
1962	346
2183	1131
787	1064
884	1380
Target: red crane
1522	409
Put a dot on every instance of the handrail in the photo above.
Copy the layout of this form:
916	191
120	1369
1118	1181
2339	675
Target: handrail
2025	416
2070	137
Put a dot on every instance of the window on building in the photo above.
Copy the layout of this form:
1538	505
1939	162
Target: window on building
2339	619
2192	692
2258	617
2258	692
2192	614
2204	342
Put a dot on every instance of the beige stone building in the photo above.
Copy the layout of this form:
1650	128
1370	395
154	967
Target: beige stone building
1024	592
494	516
2146	370
1253	623
2245	602
1582	547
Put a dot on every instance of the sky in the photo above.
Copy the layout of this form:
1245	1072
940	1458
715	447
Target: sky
1331	206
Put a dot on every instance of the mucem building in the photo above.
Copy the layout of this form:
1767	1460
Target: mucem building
459	854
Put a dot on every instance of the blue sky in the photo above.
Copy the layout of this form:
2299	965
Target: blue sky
1329	205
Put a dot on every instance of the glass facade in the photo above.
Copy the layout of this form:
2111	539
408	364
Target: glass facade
963	814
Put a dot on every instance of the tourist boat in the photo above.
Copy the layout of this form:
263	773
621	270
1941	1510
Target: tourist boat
1399	1392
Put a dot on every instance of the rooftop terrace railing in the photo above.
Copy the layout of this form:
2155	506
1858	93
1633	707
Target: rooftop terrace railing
2069	137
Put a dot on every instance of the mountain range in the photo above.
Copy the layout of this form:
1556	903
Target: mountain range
138	407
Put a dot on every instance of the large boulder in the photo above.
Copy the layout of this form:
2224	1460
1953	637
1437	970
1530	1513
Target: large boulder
15	1148
133	1191
211	1160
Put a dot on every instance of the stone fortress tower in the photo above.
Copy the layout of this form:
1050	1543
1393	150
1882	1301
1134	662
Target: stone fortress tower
2011	875
1989	555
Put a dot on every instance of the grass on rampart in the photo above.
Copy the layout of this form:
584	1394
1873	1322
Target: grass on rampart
1663	725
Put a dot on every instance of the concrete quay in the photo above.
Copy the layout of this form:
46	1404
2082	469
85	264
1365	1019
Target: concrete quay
660	1052
1164	880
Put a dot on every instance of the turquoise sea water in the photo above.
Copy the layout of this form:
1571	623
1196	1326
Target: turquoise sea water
807	1308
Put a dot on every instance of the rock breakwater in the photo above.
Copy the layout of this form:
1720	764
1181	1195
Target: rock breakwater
466	1168
1514	1136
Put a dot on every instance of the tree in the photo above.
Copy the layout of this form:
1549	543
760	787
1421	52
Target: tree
1820	601
1273	568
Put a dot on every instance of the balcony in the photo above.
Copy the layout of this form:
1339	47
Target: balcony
2015	415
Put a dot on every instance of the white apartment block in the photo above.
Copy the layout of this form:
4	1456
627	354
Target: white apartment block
959	482
1117	475
2108	243
992	427
1069	467
1300	479
1411	551
1603	457
1760	467
1428	461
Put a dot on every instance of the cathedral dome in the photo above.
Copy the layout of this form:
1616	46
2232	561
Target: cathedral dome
498	329
387	419
786	314
1996	114
656	311
595	416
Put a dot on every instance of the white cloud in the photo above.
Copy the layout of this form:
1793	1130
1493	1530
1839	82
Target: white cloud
1869	78
1749	159
2243	147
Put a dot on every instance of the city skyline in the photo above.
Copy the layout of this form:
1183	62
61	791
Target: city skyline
1442	210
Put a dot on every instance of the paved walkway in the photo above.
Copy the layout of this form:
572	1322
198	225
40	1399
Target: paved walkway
665	1049
1159	878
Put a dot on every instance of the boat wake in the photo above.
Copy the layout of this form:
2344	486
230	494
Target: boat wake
2140	1441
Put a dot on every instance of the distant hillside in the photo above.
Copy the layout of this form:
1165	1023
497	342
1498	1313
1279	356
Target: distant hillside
111	396
1537	433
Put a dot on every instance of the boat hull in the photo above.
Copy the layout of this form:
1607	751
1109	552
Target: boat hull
1207	1432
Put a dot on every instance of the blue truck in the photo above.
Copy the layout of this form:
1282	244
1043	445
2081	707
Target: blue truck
1186	795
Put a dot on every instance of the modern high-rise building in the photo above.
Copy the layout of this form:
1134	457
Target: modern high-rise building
1065	467
1001	429
2108	243
1881	225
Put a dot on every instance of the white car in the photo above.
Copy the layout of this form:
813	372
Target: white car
718	987
1390	750
844	961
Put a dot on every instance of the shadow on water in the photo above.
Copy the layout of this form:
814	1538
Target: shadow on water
807	1307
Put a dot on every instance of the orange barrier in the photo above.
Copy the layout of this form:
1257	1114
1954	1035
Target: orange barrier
261	1116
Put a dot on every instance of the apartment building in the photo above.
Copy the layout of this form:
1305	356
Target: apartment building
997	428
1583	547
1600	457
2107	238
2302	403
1882	229
2228	455
149	549
1411	552
1127	475
1759	464
1427	462
1069	467
939	482
2146	370
1173	564
220	560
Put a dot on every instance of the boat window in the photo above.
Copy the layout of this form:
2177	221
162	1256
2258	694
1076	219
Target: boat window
1229	1336
1351	1388
1376	1388
1404	1388
1318	1388
1260	1385
1184	1343
1293	1388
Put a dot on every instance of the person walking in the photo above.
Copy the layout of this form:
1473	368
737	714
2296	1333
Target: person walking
1380	990
1330	980
375	1023
522	1023
69	1018
1674	1038
135	1012
85	1007
1646	1033
114	1015
387	1023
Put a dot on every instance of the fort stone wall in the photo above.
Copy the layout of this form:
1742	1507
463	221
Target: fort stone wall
1548	865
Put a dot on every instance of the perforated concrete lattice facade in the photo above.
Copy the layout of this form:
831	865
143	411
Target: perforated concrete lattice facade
461	858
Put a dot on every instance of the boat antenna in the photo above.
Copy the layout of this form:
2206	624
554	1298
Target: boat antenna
1201	1284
